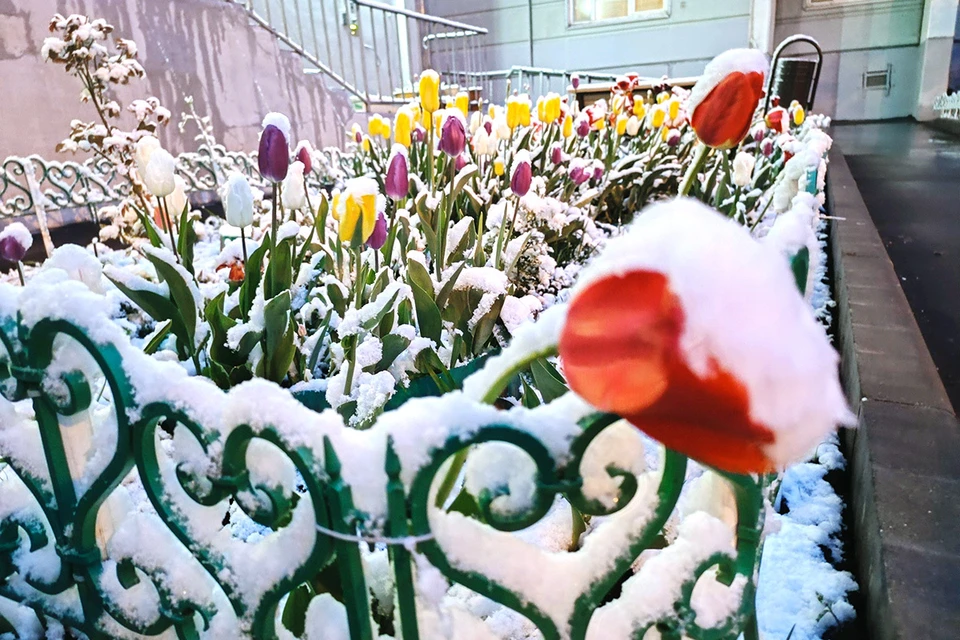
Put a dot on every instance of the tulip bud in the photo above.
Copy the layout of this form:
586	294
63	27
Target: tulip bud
577	174
418	134
776	119
513	112
498	168
274	154
462	102
556	154
799	115
304	154
143	151
575	81
177	200
621	124
397	182
379	236
567	126
522	175
743	165
673	108
633	126
402	126
723	101
474	122
158	176
488	125
238	201
357	133
673	137
294	196
657	116
597	171
430	90
583	127
759	132
639	108
461	162
766	147
15	240
453	135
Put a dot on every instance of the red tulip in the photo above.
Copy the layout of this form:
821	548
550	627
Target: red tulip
725	98
749	392
303	155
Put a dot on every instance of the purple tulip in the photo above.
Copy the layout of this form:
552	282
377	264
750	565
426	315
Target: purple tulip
358	136
583	127
556	154
453	136
303	155
578	175
11	249
488	125
461	161
673	137
397	182
759	133
522	174
575	81
274	154
379	235
597	172
766	147
418	134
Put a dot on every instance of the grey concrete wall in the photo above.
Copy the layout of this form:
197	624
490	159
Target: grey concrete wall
205	48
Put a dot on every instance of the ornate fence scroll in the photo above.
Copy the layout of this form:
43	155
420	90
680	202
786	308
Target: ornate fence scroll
137	500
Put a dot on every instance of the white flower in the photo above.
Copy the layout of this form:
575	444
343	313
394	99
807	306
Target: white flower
177	201
238	201
159	173
294	196
633	126
743	169
484	144
144	150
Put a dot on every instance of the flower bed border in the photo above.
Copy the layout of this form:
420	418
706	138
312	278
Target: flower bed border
905	454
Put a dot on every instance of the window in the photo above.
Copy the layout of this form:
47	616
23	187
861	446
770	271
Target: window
587	11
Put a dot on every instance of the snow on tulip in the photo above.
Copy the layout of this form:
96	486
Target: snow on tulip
294	192
696	334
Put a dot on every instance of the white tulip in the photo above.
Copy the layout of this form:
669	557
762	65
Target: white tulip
238	201
743	165
143	152
177	201
474	121
633	126
159	173
294	196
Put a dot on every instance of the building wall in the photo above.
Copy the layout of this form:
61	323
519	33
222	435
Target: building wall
680	44
857	38
205	48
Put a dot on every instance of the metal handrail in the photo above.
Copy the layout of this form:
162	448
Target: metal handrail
422	17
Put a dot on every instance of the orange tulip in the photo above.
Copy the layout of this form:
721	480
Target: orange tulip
641	339
725	98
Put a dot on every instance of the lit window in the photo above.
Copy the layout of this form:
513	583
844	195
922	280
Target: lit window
586	11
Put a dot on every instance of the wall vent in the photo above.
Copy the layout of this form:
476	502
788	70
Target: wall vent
878	80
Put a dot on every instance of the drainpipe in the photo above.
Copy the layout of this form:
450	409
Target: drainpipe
530	22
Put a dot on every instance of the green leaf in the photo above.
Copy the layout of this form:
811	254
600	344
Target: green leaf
467	505
278	338
294	616
187	240
448	286
159	335
428	315
800	265
484	329
529	397
373	321
393	346
157	307
548	380
417	274
279	275
181	293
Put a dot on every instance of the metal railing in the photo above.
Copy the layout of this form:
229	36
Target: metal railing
373	50
535	81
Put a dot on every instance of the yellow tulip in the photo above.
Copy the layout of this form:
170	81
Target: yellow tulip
366	143
662	97
663	133
498	167
402	126
385	129
639	108
600	124
462	102
621	124
541	109
492	111
568	126
659	114
356	205
525	113
617	104
799	115
674	105
553	107
374	125
513	112
430	90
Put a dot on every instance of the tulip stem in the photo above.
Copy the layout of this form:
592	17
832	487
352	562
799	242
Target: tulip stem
273	222
23	281
243	246
699	158
306	193
166	216
429	153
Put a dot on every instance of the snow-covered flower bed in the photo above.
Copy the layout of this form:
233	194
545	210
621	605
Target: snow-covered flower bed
432	402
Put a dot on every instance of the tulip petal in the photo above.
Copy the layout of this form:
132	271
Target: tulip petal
723	118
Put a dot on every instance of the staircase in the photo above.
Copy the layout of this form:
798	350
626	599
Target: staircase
373	50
